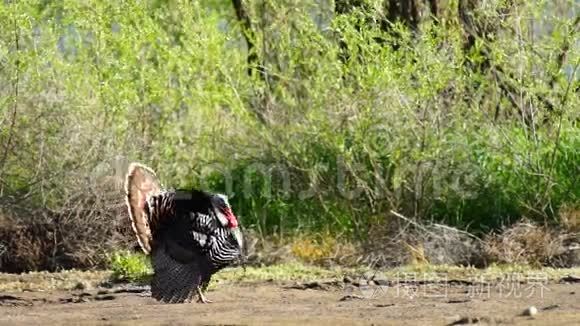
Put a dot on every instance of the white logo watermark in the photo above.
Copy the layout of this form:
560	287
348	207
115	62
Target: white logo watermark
412	285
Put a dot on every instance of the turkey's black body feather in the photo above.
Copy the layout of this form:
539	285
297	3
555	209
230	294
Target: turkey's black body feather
190	235
188	245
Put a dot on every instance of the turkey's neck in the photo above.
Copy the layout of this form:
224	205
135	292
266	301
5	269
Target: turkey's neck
222	251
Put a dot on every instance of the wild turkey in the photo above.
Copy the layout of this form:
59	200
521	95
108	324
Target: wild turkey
189	234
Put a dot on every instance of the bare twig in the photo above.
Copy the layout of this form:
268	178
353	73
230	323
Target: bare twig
401	216
441	226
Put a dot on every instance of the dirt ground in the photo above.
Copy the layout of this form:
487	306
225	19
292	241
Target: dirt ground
322	303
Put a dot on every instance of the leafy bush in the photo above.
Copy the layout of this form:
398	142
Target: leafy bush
130	267
347	116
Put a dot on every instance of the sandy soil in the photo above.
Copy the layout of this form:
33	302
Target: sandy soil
323	303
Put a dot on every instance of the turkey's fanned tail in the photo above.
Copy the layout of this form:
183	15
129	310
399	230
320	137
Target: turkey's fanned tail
174	282
140	184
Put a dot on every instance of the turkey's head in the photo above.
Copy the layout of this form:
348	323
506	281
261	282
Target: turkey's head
224	211
226	217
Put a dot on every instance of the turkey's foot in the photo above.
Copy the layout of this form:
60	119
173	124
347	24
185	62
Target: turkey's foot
201	297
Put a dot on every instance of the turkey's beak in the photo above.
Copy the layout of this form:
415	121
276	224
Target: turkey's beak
239	238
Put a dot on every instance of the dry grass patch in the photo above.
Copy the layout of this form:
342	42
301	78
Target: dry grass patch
531	244
43	281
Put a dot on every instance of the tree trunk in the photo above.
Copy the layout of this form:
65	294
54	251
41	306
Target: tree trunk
249	36
404	11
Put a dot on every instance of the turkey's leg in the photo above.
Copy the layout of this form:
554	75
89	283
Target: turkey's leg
201	297
202	287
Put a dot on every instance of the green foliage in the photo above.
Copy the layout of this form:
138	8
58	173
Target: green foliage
350	120
129	267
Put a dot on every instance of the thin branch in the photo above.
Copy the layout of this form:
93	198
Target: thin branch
558	132
14	102
564	49
410	221
441	226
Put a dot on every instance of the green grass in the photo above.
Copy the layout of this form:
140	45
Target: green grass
290	272
140	271
129	267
